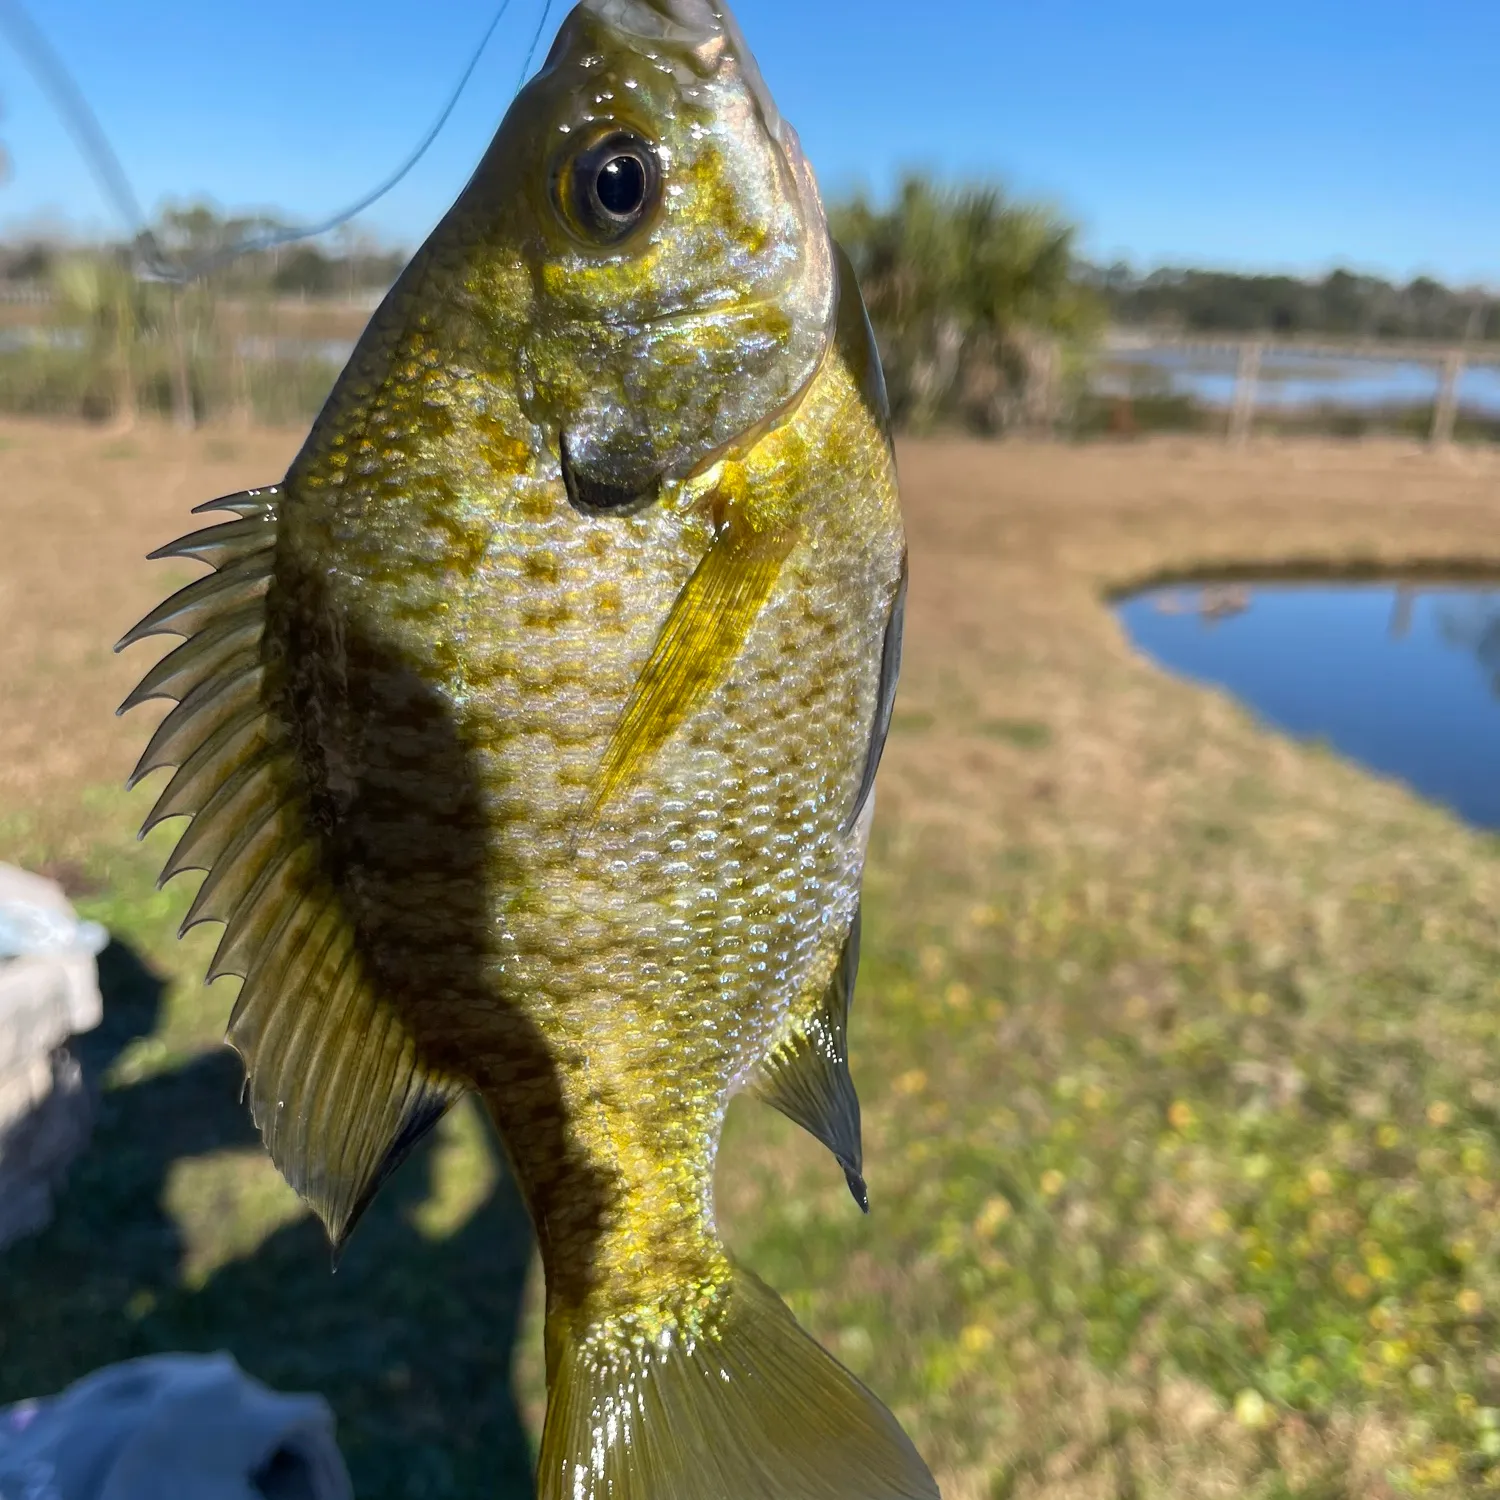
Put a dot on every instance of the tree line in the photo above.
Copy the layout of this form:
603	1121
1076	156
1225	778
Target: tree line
197	233
986	315
1343	303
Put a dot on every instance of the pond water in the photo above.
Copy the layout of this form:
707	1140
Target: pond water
1292	378
1405	680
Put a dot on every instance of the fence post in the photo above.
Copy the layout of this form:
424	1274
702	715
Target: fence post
1243	411
182	379
1445	409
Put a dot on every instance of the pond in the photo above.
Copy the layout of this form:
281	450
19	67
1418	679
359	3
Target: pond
1404	679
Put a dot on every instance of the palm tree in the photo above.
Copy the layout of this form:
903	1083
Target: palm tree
973	299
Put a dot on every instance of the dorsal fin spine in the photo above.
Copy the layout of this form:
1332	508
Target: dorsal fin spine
261	502
231	700
228	957
200	657
206	598
236	863
222	543
334	1076
193	781
247	797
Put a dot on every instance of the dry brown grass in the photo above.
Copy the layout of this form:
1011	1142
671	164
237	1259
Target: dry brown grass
81	509
1013	544
1014	550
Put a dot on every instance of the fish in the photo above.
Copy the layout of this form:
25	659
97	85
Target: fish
527	732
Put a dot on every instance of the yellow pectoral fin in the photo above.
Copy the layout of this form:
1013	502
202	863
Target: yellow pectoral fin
697	647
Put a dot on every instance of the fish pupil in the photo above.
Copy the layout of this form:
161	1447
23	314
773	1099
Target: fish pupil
621	187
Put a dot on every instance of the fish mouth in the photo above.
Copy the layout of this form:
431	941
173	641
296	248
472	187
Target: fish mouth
591	495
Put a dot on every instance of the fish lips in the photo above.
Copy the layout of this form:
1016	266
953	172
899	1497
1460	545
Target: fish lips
607	488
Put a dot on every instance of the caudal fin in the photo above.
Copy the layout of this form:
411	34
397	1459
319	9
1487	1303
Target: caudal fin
754	1410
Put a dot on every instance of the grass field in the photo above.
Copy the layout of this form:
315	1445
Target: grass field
1179	1044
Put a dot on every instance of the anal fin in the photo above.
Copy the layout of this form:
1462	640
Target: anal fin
806	1076
885	699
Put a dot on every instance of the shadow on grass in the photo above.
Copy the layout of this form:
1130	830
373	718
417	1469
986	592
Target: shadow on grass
412	1341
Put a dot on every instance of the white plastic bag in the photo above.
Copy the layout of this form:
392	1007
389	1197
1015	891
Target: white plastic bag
30	929
188	1427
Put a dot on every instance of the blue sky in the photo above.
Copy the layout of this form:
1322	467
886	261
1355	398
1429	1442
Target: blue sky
1276	135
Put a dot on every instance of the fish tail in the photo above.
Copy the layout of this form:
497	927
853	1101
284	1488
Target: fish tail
746	1407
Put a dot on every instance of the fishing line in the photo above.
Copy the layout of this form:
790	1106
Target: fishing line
536	37
83	125
47	67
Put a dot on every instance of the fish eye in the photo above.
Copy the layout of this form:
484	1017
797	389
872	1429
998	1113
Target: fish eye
609	188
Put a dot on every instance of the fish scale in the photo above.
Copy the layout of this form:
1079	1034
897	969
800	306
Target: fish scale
528	731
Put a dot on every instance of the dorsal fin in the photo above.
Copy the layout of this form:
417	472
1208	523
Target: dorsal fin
806	1076
335	1082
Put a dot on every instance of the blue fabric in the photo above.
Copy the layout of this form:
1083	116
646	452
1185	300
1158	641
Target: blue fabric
189	1427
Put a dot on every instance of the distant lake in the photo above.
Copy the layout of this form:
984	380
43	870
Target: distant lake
1405	681
255	347
327	351
13	339
1291	378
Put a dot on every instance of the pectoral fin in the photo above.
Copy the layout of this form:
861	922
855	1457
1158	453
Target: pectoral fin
698	645
335	1081
858	347
885	699
807	1076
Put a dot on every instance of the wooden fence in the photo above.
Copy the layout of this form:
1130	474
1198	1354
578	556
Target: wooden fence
1449	361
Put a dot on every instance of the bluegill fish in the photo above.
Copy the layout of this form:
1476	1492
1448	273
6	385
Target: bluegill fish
528	732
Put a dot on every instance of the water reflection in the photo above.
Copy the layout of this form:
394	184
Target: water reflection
1474	625
1404	678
